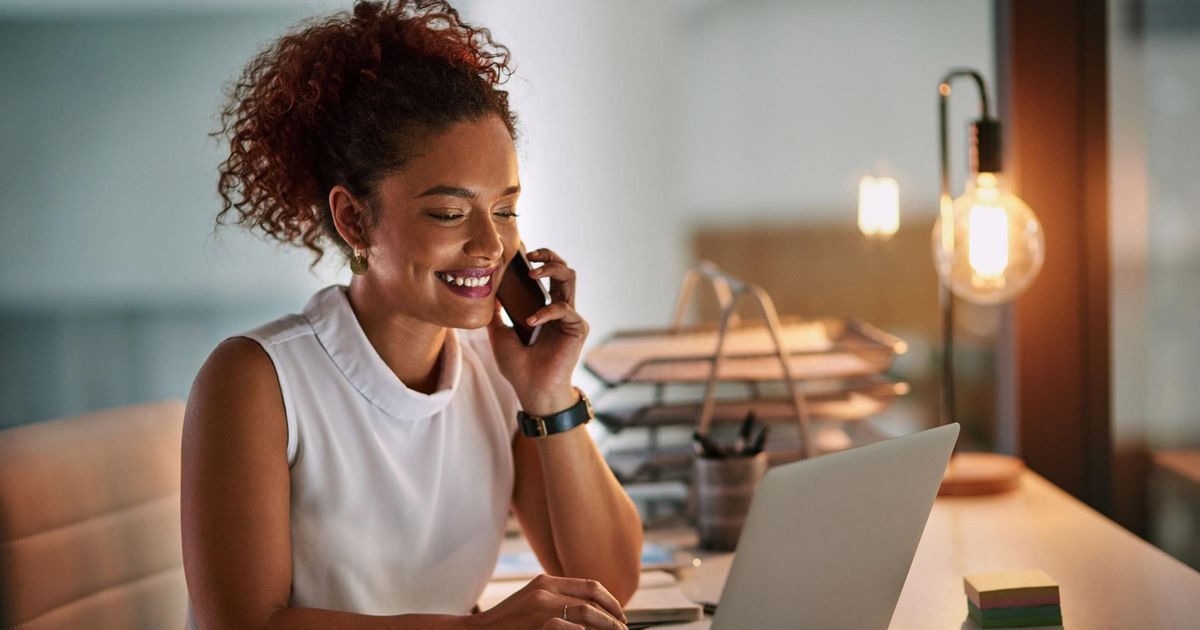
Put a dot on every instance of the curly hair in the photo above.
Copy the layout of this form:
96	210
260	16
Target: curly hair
345	100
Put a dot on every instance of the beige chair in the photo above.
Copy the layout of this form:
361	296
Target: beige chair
89	521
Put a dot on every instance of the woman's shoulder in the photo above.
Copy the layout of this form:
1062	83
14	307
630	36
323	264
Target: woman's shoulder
279	330
236	394
241	372
241	358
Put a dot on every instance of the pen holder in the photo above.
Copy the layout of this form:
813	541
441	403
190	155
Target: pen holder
723	489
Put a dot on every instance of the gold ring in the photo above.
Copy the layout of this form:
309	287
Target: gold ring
565	613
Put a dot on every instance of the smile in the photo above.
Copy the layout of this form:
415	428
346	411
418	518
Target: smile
465	280
469	283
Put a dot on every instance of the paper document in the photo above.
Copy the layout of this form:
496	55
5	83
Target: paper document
524	565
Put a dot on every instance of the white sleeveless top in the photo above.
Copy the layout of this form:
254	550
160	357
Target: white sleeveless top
398	498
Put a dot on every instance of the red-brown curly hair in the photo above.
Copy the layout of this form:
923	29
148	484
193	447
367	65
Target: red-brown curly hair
345	100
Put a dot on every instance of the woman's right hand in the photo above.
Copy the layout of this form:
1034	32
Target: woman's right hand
556	602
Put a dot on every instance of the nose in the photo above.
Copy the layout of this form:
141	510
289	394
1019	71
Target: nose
485	241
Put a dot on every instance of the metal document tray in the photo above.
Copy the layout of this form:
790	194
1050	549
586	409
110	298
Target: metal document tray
817	349
843	401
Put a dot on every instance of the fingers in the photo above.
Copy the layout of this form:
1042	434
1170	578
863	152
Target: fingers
562	281
568	319
589	616
556	271
544	255
562	277
587	591
560	624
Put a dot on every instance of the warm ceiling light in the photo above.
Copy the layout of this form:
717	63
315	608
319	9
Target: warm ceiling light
878	207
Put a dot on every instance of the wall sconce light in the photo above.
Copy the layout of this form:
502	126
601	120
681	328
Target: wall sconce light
878	207
987	248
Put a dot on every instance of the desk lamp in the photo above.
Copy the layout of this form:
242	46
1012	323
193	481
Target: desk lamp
987	248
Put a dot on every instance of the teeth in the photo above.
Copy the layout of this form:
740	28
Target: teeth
465	281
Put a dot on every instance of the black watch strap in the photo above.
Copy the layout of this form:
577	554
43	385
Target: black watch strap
565	420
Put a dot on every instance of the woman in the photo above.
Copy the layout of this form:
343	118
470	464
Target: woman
353	466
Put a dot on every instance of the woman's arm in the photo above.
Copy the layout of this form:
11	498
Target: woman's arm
235	503
577	517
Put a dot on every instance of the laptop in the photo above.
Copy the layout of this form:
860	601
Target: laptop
828	541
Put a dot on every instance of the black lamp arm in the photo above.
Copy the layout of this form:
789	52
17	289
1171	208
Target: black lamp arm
985	157
958	73
985	153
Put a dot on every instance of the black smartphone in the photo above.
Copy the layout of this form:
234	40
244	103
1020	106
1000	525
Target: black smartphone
522	295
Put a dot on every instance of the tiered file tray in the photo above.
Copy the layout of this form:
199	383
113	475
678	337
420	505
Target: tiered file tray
816	349
792	373
844	401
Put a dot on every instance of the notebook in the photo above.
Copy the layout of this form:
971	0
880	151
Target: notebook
659	600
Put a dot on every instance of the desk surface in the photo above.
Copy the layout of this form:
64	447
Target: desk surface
1108	577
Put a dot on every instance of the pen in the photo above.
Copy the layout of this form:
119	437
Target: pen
744	433
756	445
704	447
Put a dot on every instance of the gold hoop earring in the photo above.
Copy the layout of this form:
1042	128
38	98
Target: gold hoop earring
358	262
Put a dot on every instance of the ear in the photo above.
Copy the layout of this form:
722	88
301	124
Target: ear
349	216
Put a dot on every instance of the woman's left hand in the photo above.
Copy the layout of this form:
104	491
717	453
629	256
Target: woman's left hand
541	373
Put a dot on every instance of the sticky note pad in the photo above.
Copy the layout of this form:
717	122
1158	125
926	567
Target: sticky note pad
1016	617
1005	589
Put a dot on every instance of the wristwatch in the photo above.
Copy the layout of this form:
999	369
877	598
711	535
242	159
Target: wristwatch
571	417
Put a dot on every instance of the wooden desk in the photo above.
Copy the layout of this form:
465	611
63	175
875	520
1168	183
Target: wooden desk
1109	578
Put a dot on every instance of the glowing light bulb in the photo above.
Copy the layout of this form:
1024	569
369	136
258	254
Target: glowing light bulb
878	207
994	248
987	251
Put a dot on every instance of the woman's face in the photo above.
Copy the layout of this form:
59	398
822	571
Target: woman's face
445	226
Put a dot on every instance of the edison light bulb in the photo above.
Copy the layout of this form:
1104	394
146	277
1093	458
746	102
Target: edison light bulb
995	247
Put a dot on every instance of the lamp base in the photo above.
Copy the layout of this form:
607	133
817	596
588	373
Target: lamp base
974	474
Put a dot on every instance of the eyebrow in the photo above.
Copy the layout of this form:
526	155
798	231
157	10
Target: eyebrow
462	193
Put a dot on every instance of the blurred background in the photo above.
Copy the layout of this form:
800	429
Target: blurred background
643	125
652	134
